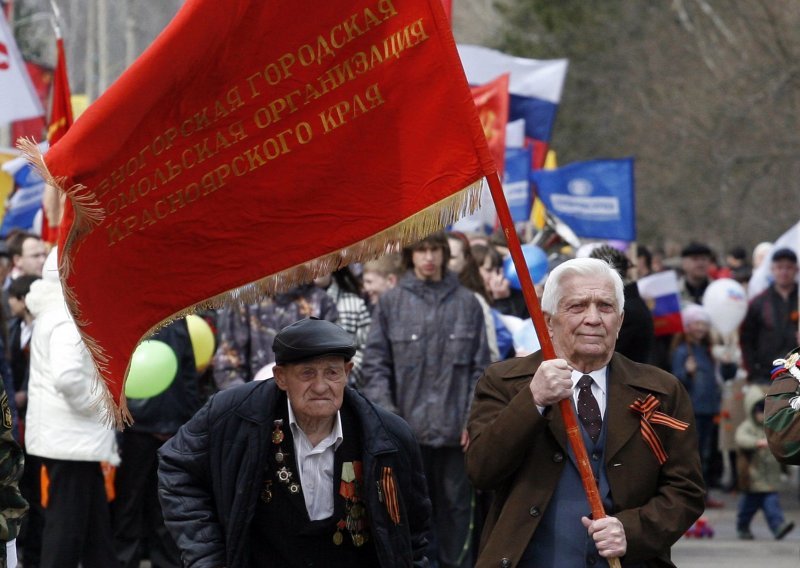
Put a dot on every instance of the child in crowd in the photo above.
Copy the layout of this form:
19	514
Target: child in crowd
694	366
759	472
380	275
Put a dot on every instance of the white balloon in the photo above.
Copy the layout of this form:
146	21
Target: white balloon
725	300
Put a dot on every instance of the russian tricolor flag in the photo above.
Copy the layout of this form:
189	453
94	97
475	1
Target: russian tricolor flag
26	199
535	89
660	292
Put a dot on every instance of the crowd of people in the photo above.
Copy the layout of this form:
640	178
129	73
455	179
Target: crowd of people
475	471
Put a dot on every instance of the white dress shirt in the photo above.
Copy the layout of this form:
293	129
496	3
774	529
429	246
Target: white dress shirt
599	387
315	467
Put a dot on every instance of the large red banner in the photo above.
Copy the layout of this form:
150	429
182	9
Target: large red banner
260	142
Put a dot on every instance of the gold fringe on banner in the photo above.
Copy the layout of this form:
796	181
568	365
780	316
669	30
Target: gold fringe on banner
89	213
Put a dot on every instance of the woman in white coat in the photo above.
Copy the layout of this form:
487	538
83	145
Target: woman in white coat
65	429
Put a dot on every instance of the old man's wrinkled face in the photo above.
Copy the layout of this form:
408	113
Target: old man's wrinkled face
315	387
587	321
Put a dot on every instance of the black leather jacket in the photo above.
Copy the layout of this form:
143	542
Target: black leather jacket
210	476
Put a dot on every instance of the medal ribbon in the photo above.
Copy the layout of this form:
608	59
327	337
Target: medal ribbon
355	520
647	408
347	487
390	494
790	363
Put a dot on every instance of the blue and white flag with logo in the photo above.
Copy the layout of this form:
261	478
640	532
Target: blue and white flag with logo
516	185
595	198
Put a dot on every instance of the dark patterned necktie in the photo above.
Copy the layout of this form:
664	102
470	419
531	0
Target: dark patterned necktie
588	409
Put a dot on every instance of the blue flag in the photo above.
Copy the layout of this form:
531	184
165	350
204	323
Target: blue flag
595	198
25	202
516	184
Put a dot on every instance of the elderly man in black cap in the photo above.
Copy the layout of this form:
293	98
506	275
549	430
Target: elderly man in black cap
296	471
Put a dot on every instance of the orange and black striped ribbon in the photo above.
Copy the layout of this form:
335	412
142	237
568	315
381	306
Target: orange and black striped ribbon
647	408
390	495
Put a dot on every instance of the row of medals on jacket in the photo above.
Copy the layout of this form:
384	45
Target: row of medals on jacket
355	520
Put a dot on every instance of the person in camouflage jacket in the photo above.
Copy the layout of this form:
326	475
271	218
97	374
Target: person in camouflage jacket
12	505
782	410
246	331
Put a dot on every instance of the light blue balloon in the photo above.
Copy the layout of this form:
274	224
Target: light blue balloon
535	259
525	337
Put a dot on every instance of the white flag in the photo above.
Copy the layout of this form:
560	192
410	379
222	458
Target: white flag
18	98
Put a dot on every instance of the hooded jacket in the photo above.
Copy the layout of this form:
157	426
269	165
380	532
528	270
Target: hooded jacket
762	472
63	420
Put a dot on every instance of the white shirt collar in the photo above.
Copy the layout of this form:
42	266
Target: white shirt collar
333	439
599	376
599	386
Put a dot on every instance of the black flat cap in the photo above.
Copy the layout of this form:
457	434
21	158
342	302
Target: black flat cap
309	338
784	254
696	249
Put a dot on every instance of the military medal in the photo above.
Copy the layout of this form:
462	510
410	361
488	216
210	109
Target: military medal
266	493
357	510
347	487
337	536
355	520
277	433
284	475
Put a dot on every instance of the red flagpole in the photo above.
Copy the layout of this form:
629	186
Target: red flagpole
532	301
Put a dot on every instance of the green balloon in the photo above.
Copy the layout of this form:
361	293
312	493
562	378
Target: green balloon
154	366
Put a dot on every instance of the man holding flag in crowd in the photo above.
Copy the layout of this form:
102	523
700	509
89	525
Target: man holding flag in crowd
636	422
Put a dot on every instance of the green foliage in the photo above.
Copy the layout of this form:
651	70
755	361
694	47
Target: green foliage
703	94
552	28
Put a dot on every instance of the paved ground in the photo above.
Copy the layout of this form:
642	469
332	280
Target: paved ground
726	550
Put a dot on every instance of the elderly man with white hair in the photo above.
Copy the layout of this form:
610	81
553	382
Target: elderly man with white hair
637	425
